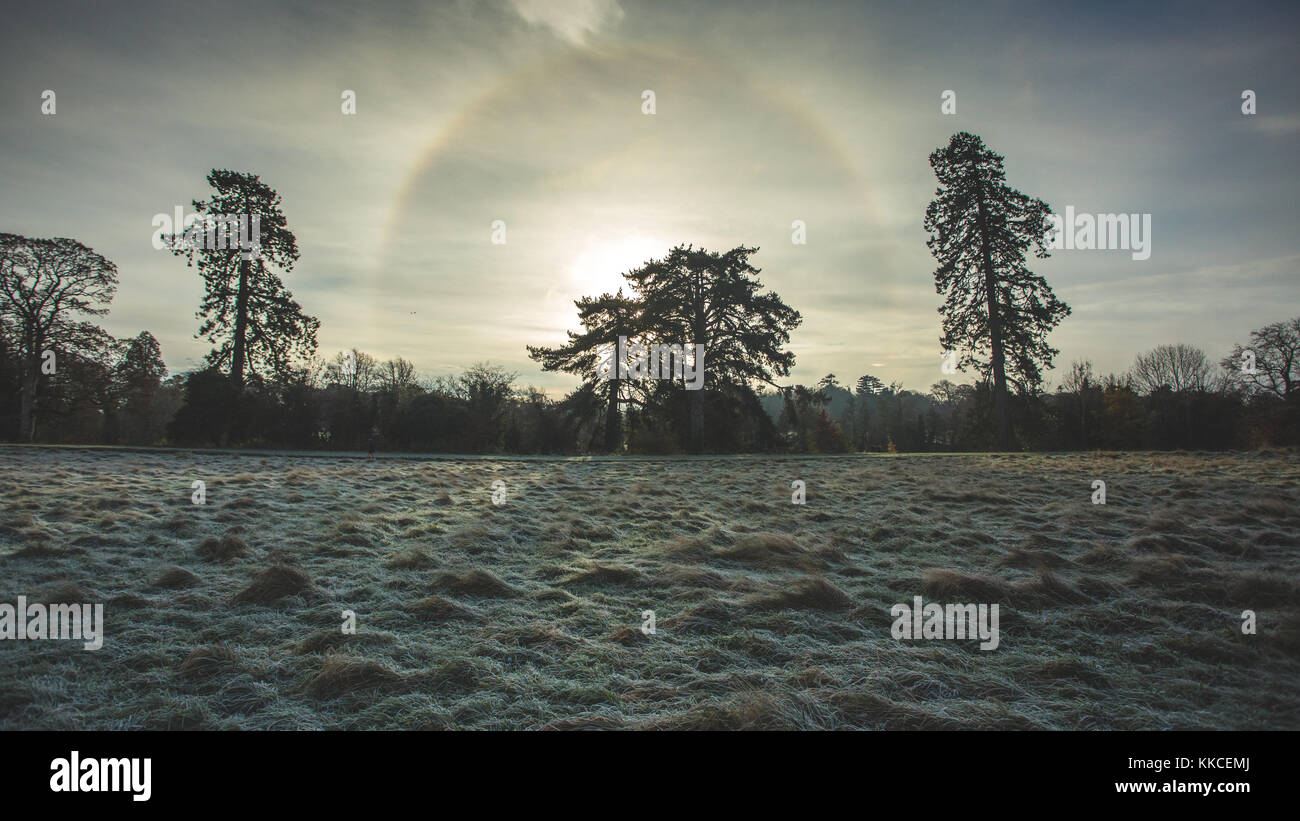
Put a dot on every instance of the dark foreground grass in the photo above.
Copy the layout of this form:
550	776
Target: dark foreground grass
768	615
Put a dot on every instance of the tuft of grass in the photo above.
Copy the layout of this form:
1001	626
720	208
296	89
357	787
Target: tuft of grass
955	586
206	663
413	558
436	608
1275	507
65	592
457	674
175	578
814	593
750	709
323	640
603	575
275	583
771	551
478	538
343	674
224	549
536	635
1048	588
476	581
36	549
628	636
1102	555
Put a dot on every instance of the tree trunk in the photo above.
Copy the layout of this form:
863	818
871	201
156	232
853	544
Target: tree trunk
238	354
697	420
697	401
27	417
611	418
1001	408
31	359
1083	417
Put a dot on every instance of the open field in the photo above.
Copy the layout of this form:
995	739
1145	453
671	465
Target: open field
769	615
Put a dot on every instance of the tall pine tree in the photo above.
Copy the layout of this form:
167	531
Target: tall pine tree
247	312
996	312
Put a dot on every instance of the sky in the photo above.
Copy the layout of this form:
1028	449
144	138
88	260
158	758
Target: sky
532	112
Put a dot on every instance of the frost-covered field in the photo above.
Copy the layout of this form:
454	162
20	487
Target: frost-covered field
768	614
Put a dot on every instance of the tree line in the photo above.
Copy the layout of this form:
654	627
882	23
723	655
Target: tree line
65	379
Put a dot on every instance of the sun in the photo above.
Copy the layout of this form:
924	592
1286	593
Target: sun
598	268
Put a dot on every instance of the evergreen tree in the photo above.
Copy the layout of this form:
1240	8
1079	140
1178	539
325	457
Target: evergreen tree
996	312
246	310
693	296
604	319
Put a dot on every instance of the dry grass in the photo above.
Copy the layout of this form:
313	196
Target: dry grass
174	578
476	581
222	550
341	675
806	594
273	584
436	608
771	551
768	615
205	662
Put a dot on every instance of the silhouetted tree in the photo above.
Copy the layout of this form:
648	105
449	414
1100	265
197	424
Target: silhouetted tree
353	369
137	382
486	391
1176	367
246	310
205	417
694	296
397	375
1276	353
994	305
603	319
44	285
1082	387
869	385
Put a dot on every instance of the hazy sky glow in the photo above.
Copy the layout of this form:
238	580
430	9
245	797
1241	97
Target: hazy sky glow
530	112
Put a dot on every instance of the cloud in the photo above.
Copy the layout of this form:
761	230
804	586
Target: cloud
572	20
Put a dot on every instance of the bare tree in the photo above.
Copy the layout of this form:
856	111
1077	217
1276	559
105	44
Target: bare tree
943	391
396	375
44	285
1275	354
353	369
1081	384
1178	367
1079	378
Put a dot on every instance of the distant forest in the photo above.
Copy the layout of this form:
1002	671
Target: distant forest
483	411
63	379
